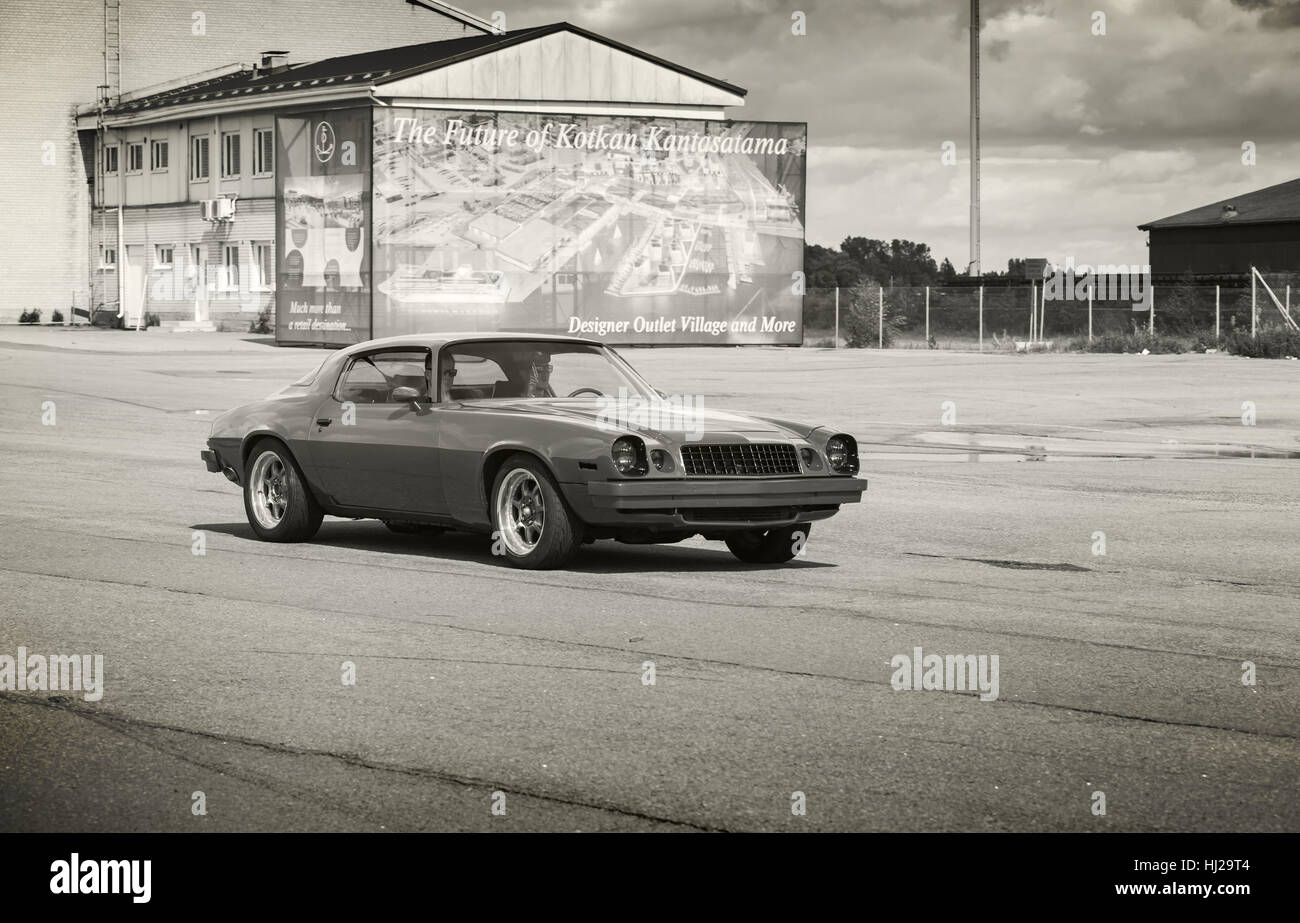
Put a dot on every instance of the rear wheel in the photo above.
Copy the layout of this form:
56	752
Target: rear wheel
279	505
534	528
769	546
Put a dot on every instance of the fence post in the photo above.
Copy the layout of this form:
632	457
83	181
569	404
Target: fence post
1042	313
837	317
1090	311
1033	311
1151	312
880	321
927	315
1216	313
1253	312
981	318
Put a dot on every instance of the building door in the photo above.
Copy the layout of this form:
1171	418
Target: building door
199	261
132	269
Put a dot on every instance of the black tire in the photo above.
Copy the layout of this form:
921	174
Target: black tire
300	515
560	532
770	546
402	527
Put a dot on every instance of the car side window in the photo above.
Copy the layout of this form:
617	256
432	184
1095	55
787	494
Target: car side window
372	378
471	377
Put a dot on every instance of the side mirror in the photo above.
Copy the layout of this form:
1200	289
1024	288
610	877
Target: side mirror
407	395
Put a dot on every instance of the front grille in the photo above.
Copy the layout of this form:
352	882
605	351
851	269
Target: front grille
753	459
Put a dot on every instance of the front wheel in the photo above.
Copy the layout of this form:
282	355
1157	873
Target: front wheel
534	528
770	546
279	504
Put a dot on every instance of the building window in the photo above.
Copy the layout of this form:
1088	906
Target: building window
264	151
199	157
230	267
263	266
230	154
108	258
110	159
135	157
166	253
158	156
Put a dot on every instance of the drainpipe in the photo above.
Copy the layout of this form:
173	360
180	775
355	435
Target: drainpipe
121	244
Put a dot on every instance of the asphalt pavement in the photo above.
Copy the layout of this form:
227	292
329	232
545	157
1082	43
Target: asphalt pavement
488	698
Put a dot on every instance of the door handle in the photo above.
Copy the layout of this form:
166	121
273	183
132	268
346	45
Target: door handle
324	421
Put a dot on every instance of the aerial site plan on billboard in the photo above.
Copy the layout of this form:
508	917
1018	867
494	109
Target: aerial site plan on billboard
628	230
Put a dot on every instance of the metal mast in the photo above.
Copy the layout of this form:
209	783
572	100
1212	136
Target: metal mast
974	268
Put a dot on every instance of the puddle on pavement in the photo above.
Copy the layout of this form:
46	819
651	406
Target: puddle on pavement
1002	447
1013	565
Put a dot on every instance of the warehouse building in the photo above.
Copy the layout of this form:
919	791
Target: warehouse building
540	179
1227	238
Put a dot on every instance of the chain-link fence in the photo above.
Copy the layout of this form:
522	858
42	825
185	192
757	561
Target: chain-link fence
1077	315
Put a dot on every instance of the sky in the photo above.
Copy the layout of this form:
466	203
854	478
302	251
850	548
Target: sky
1083	136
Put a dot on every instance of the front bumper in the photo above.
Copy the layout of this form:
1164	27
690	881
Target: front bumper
723	503
214	459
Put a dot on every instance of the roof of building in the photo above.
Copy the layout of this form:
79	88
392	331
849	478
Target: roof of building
370	67
1272	205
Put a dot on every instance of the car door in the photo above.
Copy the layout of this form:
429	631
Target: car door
374	452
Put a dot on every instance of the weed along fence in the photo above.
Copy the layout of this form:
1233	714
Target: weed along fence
1104	313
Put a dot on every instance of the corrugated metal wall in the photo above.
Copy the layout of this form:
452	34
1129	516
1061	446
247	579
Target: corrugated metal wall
170	291
1225	250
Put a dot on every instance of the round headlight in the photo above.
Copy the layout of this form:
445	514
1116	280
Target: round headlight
842	454
628	454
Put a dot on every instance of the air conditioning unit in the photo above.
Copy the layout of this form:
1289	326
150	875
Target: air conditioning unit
208	209
225	209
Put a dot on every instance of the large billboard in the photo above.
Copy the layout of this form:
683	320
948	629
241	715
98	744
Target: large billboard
322	185
627	230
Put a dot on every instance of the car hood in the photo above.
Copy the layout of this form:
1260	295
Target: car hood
664	421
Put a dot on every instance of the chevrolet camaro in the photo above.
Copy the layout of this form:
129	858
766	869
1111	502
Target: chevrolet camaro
543	442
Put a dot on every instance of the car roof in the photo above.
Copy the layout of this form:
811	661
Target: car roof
438	340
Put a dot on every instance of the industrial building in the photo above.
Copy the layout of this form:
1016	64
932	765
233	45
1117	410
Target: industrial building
535	179
1227	238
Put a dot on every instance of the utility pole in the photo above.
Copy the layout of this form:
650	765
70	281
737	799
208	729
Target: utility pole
974	137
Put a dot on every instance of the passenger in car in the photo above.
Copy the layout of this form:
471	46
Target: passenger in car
539	376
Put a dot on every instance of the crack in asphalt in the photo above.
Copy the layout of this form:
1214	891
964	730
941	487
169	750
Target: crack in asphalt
687	658
723	604
480	663
120	723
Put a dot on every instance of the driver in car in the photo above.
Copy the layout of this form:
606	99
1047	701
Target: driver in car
539	376
448	376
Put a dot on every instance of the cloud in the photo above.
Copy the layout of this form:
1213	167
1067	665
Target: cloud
1277	14
1084	136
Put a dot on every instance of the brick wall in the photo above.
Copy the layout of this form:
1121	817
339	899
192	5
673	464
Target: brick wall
51	60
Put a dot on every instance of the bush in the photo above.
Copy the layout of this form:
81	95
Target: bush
151	320
262	324
106	317
56	317
1273	343
30	317
861	320
1132	343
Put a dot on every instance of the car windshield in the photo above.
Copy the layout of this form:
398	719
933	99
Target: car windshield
496	369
